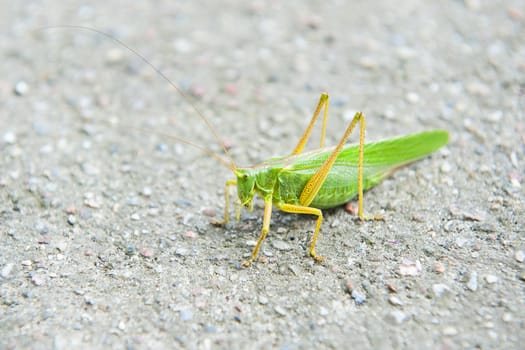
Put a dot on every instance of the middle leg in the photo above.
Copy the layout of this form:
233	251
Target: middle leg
298	209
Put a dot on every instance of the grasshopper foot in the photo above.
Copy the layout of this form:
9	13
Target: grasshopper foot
220	223
247	263
316	257
377	217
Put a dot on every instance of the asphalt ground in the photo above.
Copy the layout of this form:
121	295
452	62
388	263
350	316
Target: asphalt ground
106	239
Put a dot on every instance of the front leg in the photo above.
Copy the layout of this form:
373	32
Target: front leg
229	183
264	232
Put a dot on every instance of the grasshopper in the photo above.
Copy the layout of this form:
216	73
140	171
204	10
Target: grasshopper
307	182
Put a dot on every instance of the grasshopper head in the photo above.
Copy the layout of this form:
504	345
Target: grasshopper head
245	185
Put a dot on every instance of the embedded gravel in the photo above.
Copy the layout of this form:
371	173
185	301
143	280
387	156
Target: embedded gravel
105	234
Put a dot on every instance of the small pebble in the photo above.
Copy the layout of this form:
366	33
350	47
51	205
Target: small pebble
406	52
114	55
461	241
162	147
38	280
396	317
395	301
231	89
280	310
26	263
263	300
146	252
351	208
130	250
324	311
21	88
185	315
280	244
209	212
410	268
368	62
71	219
181	252
89	169
134	201
516	13
197	91
135	217
47	314
495	116
190	234
46	149
472	283
440	289
491	279
71	210
391	288
294	269
92	203
42	228
412	97
475	215
478	88
358	297
182	45
61	246
519	256
6	270
439	267
450	331
210	329
281	230
446	167
9	137
146	192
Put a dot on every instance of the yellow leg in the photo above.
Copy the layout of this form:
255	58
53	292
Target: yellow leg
360	169
297	209
360	200
313	185
264	232
324	101
229	183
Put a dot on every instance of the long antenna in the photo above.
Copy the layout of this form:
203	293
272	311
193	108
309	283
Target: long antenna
231	163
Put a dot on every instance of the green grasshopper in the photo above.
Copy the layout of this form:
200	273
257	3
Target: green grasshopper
306	183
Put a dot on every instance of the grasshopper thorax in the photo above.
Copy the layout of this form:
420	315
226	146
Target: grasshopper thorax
245	185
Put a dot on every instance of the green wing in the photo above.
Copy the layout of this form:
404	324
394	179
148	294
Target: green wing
381	158
395	152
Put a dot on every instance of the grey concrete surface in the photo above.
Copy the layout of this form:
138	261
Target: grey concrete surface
105	240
